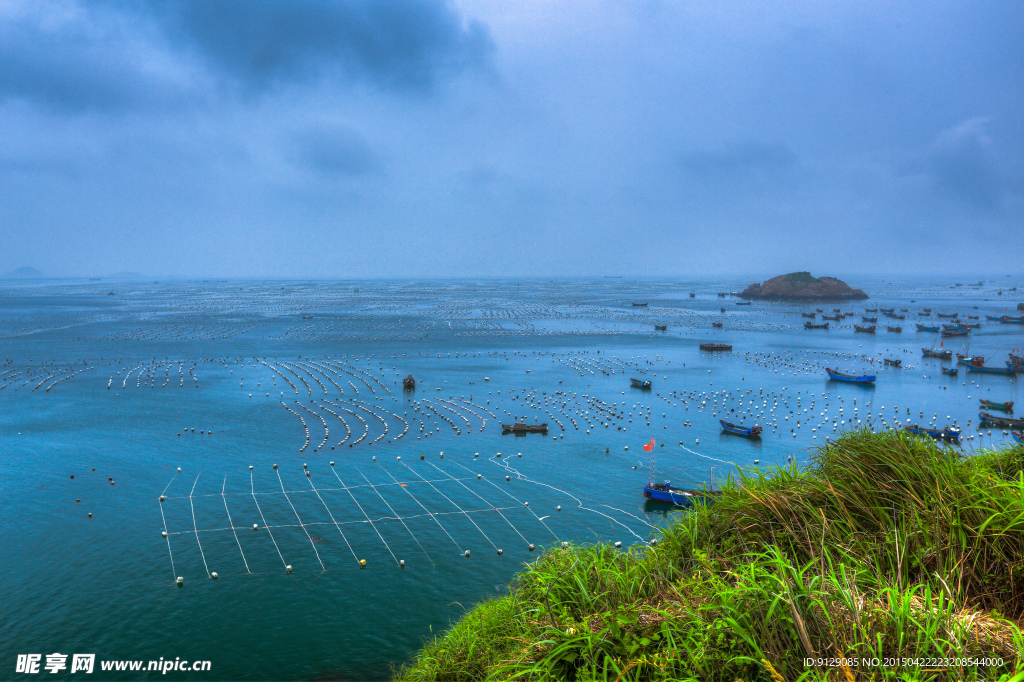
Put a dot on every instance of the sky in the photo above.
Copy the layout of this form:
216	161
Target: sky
476	138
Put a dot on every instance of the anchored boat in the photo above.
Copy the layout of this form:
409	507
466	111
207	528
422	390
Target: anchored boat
523	427
839	376
923	328
866	330
808	325
992	405
664	492
752	432
950	371
640	383
1005	422
951	434
941	354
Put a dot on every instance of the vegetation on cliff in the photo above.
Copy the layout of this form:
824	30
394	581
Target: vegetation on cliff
797	286
887	547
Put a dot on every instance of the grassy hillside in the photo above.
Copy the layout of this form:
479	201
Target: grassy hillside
886	547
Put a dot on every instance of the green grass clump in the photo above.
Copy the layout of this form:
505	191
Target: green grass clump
886	547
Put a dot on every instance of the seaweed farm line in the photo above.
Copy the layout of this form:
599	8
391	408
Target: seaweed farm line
259	441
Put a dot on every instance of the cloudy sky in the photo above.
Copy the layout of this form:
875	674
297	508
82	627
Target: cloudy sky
487	137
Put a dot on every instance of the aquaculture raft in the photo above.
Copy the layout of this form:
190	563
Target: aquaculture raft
523	427
715	346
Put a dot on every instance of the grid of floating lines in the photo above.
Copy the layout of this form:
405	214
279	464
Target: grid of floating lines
322	517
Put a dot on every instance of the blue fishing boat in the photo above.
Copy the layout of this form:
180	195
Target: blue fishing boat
809	325
923	328
982	369
950	371
865	330
949	433
664	492
887	310
640	383
895	316
1019	437
941	354
752	432
955	332
869	319
1002	422
1006	319
994	318
839	376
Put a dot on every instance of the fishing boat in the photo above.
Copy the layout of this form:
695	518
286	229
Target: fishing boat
958	325
1019	437
839	376
820	310
639	304
992	405
896	317
409	383
886	310
955	332
941	354
523	427
743	302
715	346
950	371
893	363
982	369
1013	367
868	319
897	330
994	318
752	432
926	310
1016	359
865	330
716	324
1007	319
949	433
969	359
834	318
808	325
871	310
1004	422
664	492
640	383
948	315
661	327
810	315
923	328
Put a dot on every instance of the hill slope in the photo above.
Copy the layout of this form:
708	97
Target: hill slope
798	286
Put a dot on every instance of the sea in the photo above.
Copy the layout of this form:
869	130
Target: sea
232	472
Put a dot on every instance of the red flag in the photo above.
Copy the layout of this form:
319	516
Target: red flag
941	344
649	446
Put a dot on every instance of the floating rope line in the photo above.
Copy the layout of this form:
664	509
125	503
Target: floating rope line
372	525
397	517
517	500
222	487
519	476
225	529
715	459
264	520
203	554
457	507
311	543
322	489
336	524
431	514
482	499
170	482
167	535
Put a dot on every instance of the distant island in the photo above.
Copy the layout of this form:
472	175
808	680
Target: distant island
802	286
24	273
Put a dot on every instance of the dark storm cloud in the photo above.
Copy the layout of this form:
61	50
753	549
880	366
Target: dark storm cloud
963	163
68	58
109	56
402	43
334	150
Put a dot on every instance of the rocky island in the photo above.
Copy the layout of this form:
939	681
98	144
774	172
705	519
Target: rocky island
802	286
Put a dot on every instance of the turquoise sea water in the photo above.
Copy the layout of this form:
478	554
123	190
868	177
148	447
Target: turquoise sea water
108	387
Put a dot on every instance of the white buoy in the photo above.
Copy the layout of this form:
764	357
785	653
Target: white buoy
467	554
401	563
532	547
500	552
179	470
288	568
214	575
508	478
250	467
275	466
180	581
332	463
255	526
565	545
558	508
526	504
163	533
161	498
618	544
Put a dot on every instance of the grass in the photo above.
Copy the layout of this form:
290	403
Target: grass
887	547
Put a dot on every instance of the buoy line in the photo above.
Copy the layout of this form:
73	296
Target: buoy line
167	535
514	498
224	497
402	520
482	499
519	476
430	513
333	520
456	506
372	524
192	504
311	543
264	520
